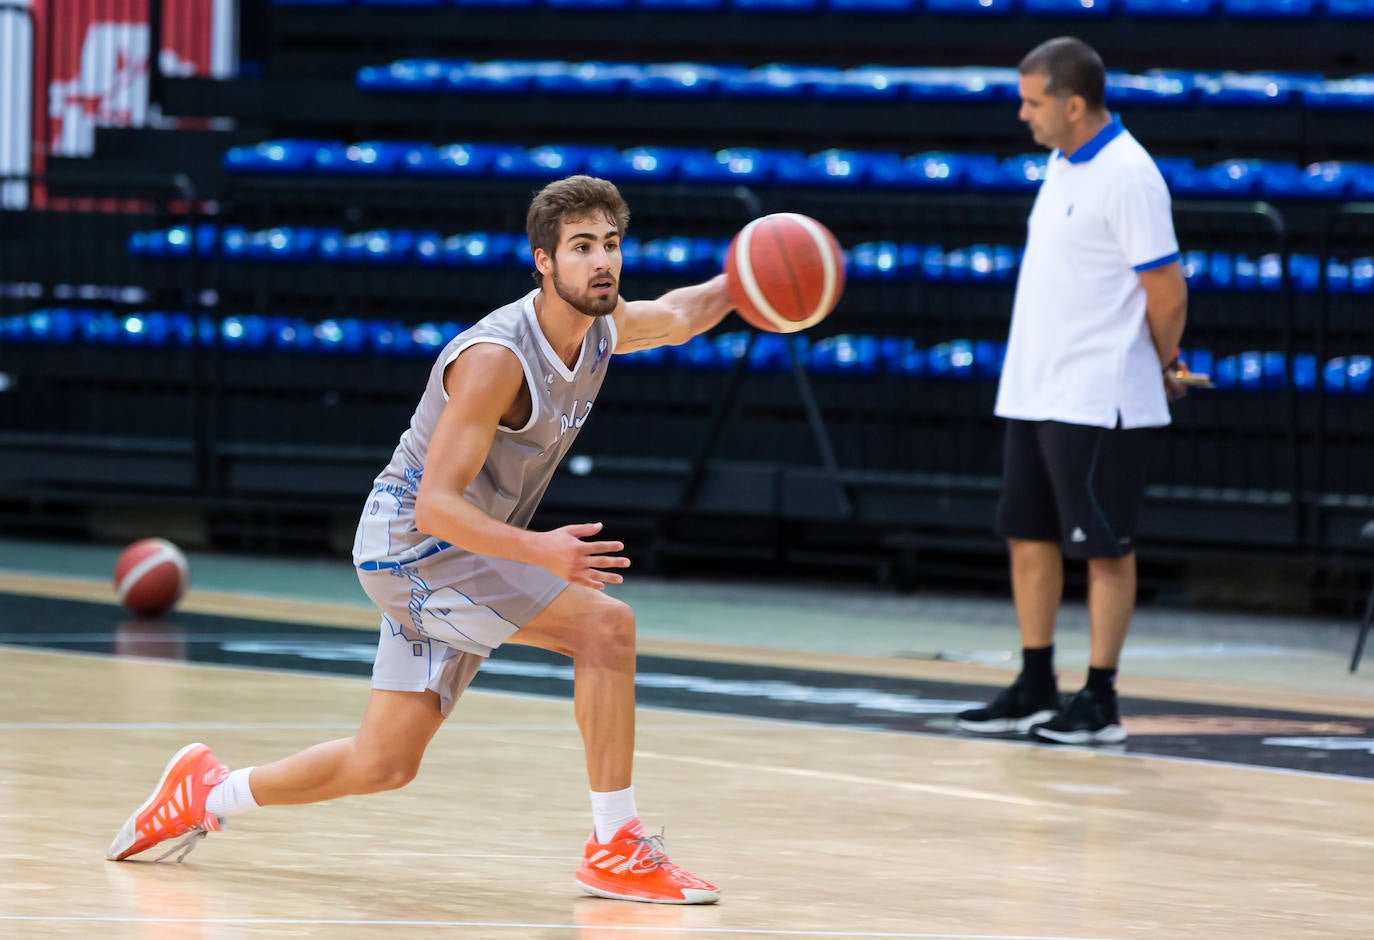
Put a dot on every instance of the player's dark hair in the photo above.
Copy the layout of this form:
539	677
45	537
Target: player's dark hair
1071	67
576	197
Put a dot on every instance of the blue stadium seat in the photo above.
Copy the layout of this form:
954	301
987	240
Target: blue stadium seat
274	156
1337	276
1350	9
498	76
284	243
774	81
475	249
1268	9
675	255
972	7
1070	7
1328	180
401	3
502	4
410	75
339	336
1149	88
1169	167
587	78
954	359
651	164
691	6
1304	272
973	83
1347	375
1014	174
1362	275
380	157
679	78
828	168
903	357
1196	267
873	6
936	169
567	159
745	165
1252	370
1229	178
379	246
243	332
588	4
1355	92
1304	372
697	353
1255	89
777	6
1169	8
1362	180
845	354
865	82
454	159
875	261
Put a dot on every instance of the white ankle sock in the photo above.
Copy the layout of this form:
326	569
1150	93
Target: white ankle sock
611	810
231	796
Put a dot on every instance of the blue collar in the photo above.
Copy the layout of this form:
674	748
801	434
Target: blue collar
1099	140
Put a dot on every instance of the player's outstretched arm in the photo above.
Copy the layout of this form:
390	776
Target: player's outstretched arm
672	319
486	384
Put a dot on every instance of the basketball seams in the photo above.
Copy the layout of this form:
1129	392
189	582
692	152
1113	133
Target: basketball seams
744	270
780	245
166	552
826	251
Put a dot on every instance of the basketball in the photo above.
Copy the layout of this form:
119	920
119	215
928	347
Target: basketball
785	272
150	576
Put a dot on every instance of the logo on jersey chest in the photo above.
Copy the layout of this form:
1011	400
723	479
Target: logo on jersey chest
574	417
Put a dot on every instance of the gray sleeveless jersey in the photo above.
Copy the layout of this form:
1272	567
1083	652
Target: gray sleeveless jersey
521	461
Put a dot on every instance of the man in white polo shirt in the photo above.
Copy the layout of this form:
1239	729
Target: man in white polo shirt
1099	311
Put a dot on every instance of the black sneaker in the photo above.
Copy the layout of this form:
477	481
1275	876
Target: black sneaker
1012	712
1087	719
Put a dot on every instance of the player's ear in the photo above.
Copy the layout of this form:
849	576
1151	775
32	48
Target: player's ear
542	260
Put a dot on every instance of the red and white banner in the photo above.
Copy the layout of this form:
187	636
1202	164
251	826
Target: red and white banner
69	66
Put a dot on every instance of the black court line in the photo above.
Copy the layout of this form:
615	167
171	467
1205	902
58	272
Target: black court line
1318	743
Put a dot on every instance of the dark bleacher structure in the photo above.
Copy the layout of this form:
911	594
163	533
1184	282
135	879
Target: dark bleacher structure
245	337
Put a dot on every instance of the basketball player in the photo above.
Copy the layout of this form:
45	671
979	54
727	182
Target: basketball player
443	550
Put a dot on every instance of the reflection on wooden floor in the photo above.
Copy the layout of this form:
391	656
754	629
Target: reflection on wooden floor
810	831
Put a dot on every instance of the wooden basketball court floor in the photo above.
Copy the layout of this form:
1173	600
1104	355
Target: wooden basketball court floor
812	828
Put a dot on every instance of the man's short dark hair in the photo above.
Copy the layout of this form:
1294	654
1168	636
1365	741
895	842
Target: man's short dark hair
576	197
1070	67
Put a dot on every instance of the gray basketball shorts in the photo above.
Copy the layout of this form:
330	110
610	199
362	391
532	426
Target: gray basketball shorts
444	614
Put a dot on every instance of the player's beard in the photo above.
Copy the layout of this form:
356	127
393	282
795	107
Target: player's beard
584	303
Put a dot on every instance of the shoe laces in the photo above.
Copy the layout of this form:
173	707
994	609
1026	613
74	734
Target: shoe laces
184	847
649	854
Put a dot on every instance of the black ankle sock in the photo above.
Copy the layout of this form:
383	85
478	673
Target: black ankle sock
1037	671
1102	682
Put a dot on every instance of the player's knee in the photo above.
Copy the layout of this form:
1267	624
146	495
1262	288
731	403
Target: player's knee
386	772
610	633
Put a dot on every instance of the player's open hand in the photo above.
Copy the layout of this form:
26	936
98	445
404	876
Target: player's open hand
573	559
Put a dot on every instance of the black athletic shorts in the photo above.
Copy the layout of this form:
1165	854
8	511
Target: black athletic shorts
1073	484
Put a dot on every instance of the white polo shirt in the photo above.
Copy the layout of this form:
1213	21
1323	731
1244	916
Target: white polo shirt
1080	349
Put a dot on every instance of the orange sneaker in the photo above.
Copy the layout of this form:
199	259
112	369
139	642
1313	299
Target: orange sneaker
634	867
176	807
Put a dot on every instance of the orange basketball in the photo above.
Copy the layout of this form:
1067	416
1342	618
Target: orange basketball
150	576
785	272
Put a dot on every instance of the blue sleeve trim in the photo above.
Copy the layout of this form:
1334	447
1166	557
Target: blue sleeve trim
1157	263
